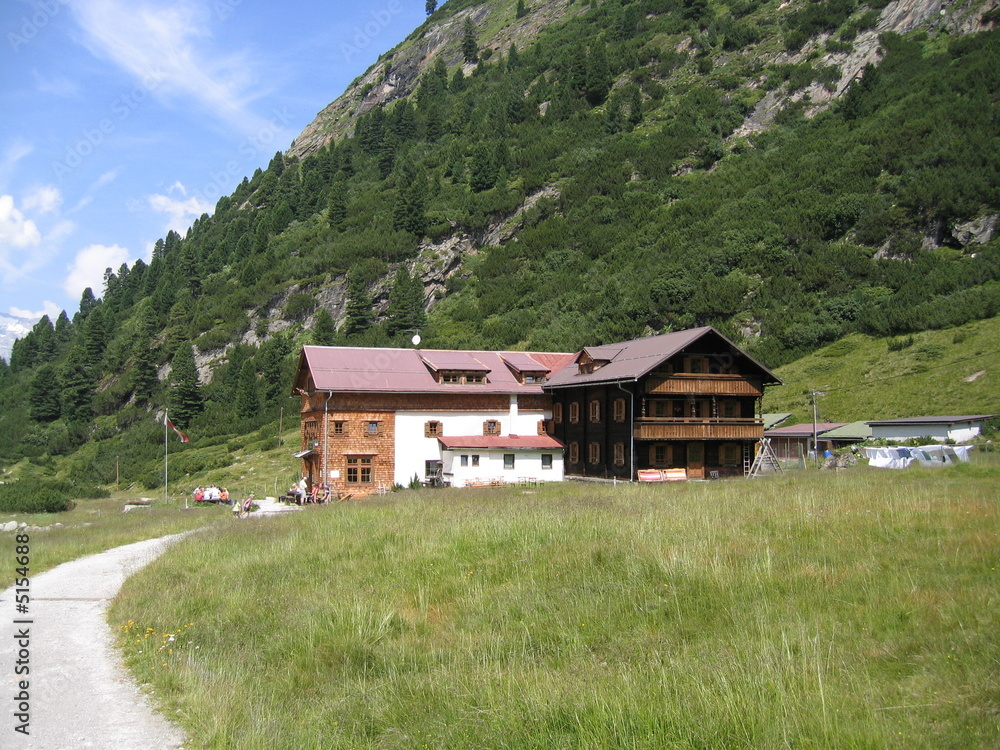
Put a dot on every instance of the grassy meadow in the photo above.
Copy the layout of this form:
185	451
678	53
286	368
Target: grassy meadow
931	372
816	610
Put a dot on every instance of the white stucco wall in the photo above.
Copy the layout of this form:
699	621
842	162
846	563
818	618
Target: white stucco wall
527	465
960	432
413	449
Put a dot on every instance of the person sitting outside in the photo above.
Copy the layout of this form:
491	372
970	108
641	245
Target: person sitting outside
320	494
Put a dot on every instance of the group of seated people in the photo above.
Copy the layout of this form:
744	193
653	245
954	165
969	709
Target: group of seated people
303	494
211	494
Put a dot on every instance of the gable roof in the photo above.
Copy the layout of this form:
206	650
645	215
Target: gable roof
803	429
631	360
851	431
932	420
501	442
379	370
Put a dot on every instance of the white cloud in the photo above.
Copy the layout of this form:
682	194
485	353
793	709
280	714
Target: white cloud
167	48
87	269
59	86
48	308
15	230
182	212
43	200
16	151
24	247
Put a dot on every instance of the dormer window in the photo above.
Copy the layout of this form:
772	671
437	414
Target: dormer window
462	378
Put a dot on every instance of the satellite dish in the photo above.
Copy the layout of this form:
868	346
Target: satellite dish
416	339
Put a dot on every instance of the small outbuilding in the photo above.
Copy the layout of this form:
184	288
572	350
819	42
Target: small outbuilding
960	429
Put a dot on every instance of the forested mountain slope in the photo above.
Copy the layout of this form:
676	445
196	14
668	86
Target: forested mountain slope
550	174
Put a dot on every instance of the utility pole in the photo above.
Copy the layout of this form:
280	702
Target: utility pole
815	393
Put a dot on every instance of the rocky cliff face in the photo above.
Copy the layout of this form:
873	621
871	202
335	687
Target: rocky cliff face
398	72
900	17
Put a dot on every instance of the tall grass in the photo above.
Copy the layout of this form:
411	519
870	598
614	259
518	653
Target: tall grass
822	610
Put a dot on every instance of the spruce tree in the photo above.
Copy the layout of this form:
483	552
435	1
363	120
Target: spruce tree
521	11
43	395
185	393
430	6
247	394
470	47
325	330
405	313
77	384
597	80
359	305
336	211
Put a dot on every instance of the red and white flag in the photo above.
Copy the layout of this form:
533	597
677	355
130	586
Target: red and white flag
184	438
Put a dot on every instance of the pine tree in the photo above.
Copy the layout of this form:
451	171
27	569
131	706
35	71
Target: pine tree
43	395
598	76
185	393
325	330
470	46
359	305
521	11
77	383
405	313
247	395
430	6
482	170
337	205
95	337
408	212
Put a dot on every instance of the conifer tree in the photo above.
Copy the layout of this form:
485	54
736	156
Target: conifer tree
598	76
430	6
95	337
405	313
77	382
185	393
359	305
325	330
43	394
470	46
247	395
337	205
522	10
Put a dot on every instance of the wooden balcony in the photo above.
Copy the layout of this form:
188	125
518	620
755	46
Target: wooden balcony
687	384
694	428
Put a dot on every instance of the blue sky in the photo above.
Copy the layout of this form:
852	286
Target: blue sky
126	118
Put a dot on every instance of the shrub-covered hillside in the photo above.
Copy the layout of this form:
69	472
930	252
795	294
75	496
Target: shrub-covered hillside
613	169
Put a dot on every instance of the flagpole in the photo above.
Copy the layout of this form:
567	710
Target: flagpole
165	456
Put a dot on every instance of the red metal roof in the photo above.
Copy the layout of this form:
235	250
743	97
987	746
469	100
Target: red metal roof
368	369
802	430
498	442
631	360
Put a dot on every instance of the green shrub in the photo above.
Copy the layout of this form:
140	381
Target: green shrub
44	496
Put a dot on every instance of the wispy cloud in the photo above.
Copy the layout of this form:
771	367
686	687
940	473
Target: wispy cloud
45	199
171	41
87	268
182	211
59	86
24	247
49	308
15	151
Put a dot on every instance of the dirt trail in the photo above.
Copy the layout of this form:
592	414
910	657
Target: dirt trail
81	696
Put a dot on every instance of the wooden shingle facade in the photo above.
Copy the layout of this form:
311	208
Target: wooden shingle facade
685	400
372	418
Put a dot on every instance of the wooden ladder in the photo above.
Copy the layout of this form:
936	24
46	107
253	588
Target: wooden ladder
764	459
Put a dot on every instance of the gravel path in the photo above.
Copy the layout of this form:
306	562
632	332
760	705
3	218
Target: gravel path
80	694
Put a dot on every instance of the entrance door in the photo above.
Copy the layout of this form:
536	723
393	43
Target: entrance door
696	460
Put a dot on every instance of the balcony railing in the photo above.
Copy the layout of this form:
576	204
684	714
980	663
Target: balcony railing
695	428
703	385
